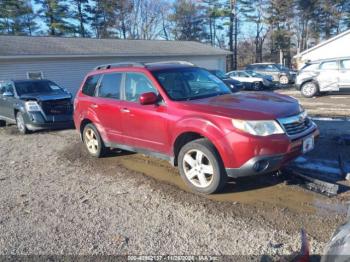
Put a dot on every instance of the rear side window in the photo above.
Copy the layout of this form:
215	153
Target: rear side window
345	64
110	86
90	85
329	65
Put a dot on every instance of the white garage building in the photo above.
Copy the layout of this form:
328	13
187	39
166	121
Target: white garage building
338	46
67	60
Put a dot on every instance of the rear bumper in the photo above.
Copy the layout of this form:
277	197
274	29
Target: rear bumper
267	164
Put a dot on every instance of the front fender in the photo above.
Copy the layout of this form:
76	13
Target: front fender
207	129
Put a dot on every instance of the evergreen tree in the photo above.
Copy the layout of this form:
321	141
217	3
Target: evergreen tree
17	17
55	14
188	21
80	12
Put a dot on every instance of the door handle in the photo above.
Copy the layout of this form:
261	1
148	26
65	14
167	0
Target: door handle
94	106
125	110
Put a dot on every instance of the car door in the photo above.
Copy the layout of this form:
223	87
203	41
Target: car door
144	126
7	102
328	78
344	74
107	106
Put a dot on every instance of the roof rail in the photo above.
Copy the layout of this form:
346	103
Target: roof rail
171	62
121	64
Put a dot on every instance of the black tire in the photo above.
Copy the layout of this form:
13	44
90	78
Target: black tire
309	89
2	123
257	86
218	178
97	150
21	124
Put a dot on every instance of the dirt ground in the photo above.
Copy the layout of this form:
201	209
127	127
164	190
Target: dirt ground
55	199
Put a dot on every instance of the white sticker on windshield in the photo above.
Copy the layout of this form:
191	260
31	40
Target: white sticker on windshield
54	87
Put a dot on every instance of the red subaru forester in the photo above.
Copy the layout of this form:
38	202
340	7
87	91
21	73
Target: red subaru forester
183	113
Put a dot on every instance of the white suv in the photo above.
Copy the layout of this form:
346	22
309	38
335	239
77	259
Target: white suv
324	76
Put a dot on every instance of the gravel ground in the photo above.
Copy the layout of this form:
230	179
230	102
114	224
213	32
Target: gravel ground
56	200
334	104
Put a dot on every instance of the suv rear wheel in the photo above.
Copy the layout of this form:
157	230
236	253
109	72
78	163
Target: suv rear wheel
20	124
93	141
201	167
309	89
2	123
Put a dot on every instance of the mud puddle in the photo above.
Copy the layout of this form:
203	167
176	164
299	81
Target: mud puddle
267	191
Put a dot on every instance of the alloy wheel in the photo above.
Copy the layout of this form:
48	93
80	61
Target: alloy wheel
283	80
91	140
198	169
309	89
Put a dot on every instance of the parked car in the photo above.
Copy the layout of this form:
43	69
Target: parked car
186	115
280	73
234	84
324	76
256	74
35	105
249	81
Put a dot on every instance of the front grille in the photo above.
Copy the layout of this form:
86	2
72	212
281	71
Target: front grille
57	107
296	124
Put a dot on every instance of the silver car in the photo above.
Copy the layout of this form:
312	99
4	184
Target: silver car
324	76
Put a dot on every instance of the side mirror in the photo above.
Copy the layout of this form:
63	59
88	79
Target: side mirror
7	94
148	98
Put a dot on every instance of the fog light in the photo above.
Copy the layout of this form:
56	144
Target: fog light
261	165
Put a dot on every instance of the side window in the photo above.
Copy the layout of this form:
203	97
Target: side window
90	85
110	85
345	64
6	87
135	85
329	65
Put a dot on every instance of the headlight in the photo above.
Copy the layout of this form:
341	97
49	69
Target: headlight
258	128
32	106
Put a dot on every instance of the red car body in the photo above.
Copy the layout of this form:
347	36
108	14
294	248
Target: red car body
159	128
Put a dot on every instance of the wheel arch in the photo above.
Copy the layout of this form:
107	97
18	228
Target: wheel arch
193	129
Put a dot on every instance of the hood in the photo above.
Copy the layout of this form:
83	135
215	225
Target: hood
45	97
248	106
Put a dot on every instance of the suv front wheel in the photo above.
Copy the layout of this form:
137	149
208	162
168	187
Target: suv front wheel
201	167
21	126
309	89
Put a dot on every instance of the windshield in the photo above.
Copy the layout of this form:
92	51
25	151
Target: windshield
28	87
255	74
190	83
309	67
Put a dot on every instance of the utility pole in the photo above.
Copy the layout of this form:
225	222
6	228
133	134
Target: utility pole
236	34
232	56
233	47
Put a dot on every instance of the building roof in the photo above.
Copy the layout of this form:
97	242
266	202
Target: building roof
28	46
324	43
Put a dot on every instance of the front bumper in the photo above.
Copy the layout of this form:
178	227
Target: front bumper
37	121
266	164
